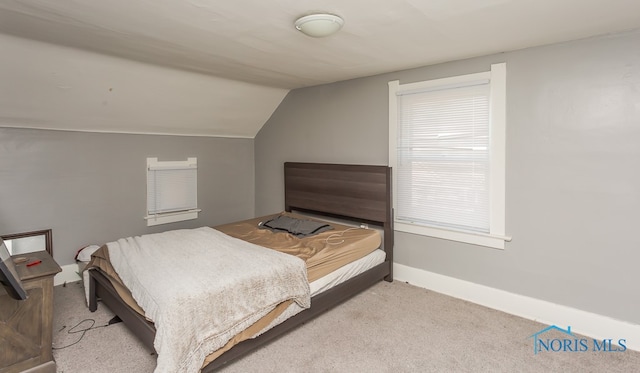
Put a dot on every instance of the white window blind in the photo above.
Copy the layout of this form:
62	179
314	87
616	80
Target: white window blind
172	191
447	150
443	156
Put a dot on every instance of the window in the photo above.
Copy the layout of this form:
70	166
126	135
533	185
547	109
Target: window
447	150
172	191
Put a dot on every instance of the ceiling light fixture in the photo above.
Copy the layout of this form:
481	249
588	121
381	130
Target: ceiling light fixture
319	25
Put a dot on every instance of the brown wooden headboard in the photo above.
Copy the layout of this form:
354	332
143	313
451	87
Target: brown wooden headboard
360	193
353	191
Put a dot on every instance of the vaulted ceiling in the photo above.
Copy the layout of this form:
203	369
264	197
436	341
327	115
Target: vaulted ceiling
251	45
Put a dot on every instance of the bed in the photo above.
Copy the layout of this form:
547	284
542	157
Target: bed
360	194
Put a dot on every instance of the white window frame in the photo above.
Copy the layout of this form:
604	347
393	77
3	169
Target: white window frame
497	113
190	181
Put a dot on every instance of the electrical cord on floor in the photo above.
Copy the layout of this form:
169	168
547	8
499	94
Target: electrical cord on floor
75	329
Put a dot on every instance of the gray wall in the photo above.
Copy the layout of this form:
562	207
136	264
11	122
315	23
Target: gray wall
90	188
573	155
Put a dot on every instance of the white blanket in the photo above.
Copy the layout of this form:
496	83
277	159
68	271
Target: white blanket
205	288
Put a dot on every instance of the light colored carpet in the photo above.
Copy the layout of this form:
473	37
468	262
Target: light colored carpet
392	327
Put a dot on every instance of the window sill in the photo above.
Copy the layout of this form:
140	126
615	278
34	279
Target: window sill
480	239
171	217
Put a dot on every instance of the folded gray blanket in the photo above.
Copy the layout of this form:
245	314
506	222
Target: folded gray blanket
201	287
296	227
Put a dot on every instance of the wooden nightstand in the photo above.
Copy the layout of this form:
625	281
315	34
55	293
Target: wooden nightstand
26	326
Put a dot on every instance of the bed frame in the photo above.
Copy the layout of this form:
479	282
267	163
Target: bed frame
358	193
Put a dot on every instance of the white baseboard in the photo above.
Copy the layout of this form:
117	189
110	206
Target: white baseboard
69	274
582	322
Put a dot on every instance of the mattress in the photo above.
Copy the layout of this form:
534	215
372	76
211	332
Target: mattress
323	253
332	257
